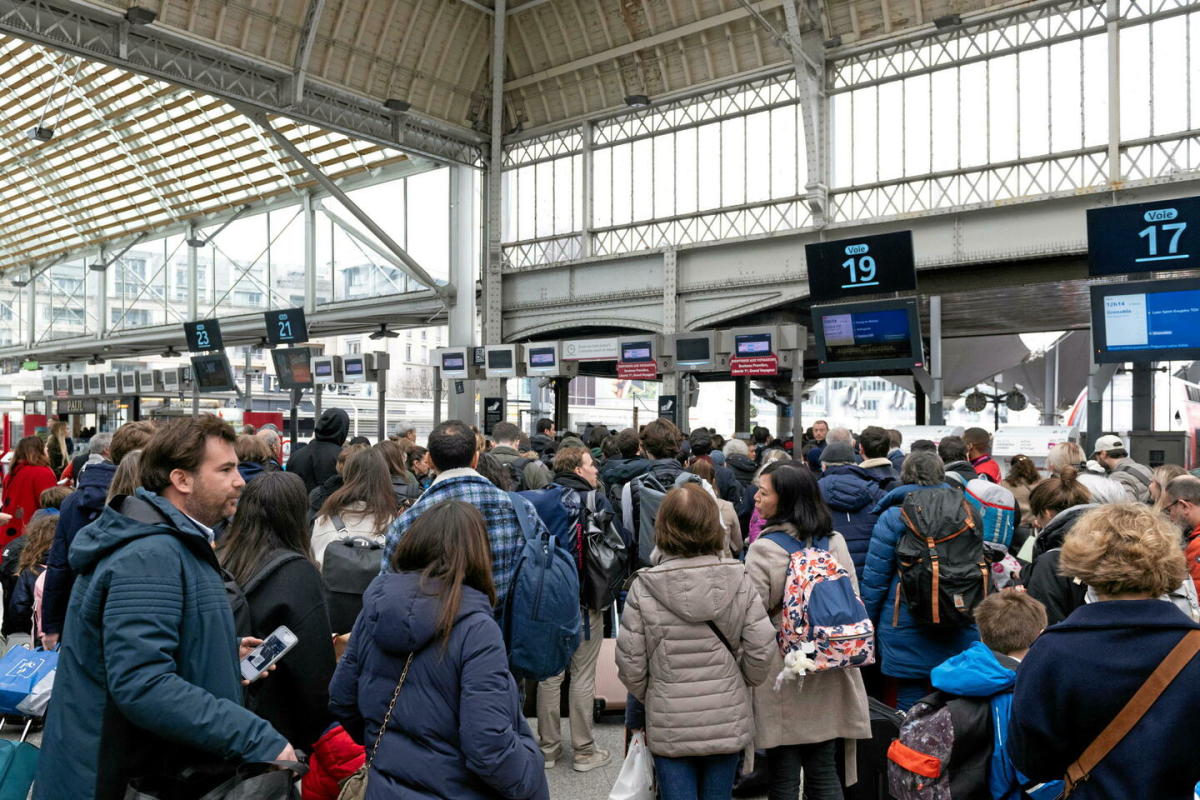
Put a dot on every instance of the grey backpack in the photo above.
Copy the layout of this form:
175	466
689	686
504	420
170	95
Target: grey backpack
651	492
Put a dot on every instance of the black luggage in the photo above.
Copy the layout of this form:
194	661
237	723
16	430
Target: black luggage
872	754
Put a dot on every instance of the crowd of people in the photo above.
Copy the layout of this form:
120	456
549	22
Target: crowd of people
768	600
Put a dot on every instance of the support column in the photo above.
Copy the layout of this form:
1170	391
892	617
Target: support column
381	410
310	255
464	270
1050	394
493	328
317	392
589	182
193	278
293	421
671	380
437	396
741	405
797	403
1113	15
1099	376
562	403
919	397
937	415
31	309
1143	396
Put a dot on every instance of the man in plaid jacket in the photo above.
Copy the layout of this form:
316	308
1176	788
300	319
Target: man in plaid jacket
452	450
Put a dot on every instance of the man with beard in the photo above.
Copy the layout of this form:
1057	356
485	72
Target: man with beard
1183	504
148	681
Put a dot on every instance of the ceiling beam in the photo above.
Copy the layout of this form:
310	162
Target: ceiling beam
307	38
665	37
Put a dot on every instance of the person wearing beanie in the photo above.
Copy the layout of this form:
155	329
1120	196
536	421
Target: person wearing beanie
851	492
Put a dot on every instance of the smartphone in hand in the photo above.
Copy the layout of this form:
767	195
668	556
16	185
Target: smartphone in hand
266	654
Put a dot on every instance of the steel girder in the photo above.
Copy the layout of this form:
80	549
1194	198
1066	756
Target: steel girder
103	35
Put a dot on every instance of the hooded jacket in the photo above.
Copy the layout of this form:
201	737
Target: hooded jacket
1058	593
542	444
534	474
743	468
316	462
851	493
148	677
908	650
1077	677
80	508
456	731
617	472
250	470
696	692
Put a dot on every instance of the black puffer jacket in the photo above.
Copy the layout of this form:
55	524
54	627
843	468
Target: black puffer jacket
743	468
316	462
1058	593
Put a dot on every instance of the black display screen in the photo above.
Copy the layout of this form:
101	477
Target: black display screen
203	335
862	265
128	382
292	367
867	338
78	384
542	357
693	351
499	359
323	369
110	384
453	362
212	373
636	352
352	366
1144	237
94	384
286	326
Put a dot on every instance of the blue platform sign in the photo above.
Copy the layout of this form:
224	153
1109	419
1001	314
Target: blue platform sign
864	265
203	335
1144	237
286	326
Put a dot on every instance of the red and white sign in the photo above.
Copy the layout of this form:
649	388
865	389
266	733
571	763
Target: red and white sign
640	371
754	365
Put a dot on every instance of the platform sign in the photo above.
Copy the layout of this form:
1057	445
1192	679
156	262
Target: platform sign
286	326
493	413
203	335
1144	237
754	365
861	266
638	371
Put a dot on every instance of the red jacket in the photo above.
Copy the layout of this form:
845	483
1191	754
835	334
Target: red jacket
1193	556
334	758
22	489
985	465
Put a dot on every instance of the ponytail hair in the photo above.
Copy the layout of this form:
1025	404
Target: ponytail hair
1059	493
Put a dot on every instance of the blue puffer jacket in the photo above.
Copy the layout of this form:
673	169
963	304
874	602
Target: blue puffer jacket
908	650
457	730
81	507
851	494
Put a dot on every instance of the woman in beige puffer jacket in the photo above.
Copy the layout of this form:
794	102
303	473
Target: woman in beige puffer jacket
696	688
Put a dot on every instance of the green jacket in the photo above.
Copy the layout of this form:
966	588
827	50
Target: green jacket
148	678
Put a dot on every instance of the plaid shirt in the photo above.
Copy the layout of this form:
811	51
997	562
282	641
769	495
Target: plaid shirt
496	505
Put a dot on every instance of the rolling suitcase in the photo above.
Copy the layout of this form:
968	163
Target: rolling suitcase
610	692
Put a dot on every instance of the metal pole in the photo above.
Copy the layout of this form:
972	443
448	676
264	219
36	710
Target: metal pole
1143	396
741	405
247	406
1113	15
195	397
437	396
562	401
317	396
381	390
937	414
1050	392
294	422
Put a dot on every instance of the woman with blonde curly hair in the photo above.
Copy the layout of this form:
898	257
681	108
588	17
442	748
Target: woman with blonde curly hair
1081	673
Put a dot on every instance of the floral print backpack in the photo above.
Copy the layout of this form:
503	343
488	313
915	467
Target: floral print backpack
823	624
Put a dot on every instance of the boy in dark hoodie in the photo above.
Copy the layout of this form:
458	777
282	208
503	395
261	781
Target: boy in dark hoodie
317	462
977	686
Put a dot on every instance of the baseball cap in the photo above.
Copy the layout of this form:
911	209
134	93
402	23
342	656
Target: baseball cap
1106	443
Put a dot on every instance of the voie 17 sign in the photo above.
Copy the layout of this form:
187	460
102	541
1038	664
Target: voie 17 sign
1145	237
862	265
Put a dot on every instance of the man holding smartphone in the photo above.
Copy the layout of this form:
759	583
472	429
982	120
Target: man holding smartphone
148	681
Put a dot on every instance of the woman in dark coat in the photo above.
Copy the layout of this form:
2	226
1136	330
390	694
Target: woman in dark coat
1080	673
456	730
266	550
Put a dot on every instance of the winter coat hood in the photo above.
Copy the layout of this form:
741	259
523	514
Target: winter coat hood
92	488
541	443
696	589
113	529
896	496
572	481
743	467
333	426
250	470
623	470
849	488
1056	531
407	611
975	672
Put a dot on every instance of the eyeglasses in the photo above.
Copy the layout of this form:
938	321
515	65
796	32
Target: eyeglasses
1167	509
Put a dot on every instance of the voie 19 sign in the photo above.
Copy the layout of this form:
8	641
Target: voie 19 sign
863	265
1145	237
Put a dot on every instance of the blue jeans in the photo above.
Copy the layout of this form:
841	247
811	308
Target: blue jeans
696	777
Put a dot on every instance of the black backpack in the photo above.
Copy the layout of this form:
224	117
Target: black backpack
348	567
516	473
955	733
605	557
944	572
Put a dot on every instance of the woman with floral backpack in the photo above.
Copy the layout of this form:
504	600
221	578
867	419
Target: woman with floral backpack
799	720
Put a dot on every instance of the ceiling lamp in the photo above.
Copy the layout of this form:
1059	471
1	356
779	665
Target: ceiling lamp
170	352
39	133
140	15
394	104
96	359
637	101
947	21
383	333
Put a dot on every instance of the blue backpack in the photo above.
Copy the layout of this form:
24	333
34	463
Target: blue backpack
541	616
561	513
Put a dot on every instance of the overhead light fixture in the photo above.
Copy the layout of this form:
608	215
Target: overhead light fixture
170	352
396	104
96	359
39	133
20	283
637	100
195	242
836	41
383	333
947	21
140	15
